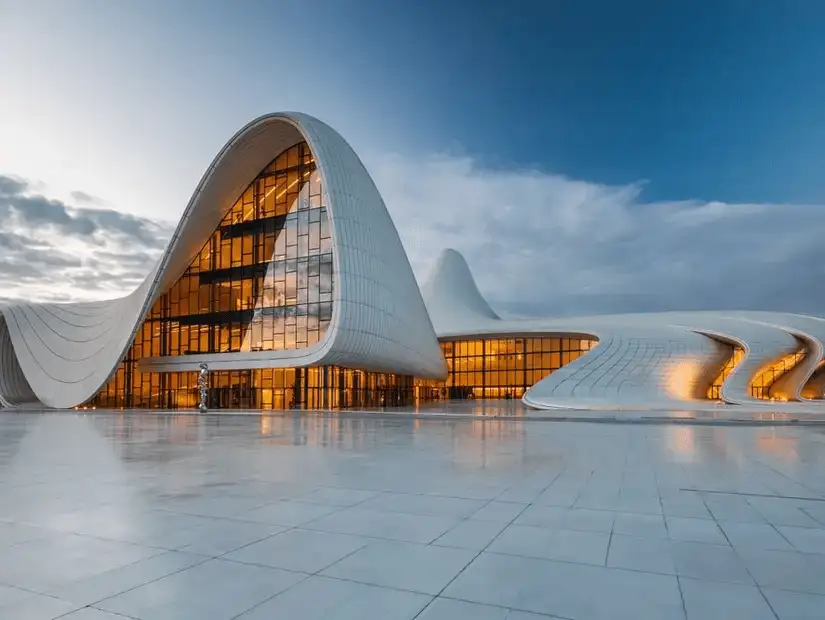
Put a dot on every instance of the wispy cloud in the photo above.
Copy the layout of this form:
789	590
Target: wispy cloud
86	198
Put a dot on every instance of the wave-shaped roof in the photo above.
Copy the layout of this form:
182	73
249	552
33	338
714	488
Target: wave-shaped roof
61	354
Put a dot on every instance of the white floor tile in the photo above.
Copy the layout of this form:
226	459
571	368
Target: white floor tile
795	605
654	555
539	542
695	530
709	600
382	524
217	589
300	550
322	598
405	566
567	590
471	534
449	609
567	518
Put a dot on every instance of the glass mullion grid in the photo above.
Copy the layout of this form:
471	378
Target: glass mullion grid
202	314
495	366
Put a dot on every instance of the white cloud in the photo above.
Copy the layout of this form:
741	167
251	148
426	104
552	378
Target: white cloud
544	244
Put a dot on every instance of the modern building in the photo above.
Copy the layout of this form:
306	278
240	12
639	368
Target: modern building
286	276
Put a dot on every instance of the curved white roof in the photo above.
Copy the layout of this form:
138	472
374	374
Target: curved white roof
452	297
61	354
643	360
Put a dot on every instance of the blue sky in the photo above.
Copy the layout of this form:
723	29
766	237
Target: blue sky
685	139
704	100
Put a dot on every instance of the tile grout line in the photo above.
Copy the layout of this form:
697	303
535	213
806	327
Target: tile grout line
209	557
739	557
745	494
305	577
821	523
478	553
203	561
667	533
318	572
299	527
92	606
756	583
613	522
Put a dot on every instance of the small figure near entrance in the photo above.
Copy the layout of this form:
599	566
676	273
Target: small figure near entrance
203	387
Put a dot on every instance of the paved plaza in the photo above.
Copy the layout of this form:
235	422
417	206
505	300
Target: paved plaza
106	516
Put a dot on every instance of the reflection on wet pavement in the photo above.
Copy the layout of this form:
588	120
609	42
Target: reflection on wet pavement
156	516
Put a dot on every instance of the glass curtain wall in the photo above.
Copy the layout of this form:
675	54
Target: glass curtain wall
506	367
320	387
763	381
262	282
715	389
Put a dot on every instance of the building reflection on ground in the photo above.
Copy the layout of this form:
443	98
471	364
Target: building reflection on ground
491	432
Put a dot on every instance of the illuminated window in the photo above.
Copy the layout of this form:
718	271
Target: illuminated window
505	367
764	380
262	281
715	389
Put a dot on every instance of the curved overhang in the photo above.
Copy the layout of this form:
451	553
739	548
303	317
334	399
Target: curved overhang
788	386
66	352
634	367
664	359
763	344
517	332
814	388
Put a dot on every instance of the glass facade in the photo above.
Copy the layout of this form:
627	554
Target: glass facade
262	282
762	383
715	389
506	367
318	387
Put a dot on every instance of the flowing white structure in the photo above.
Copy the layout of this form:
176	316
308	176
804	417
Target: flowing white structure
653	360
61	354
287	277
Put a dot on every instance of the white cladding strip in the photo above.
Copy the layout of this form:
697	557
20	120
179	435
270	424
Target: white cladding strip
66	352
14	389
815	386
